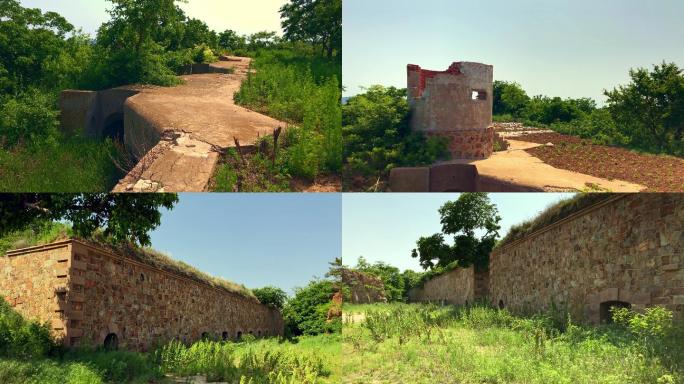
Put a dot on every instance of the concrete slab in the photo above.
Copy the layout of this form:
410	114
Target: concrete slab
517	167
410	179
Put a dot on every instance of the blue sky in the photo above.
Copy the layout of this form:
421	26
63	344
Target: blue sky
282	240
568	48
243	16
385	227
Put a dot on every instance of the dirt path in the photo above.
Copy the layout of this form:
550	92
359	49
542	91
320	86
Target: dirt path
518	167
182	129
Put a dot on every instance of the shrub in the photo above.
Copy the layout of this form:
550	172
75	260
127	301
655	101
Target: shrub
20	338
271	296
29	117
306	313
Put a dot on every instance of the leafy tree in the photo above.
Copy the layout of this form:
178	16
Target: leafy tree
650	110
306	313
390	276
463	218
271	296
509	98
314	21
377	136
124	217
231	41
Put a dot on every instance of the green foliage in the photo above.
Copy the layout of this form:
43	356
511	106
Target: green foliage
271	296
84	166
509	98
303	89
318	22
479	344
650	110
20	338
377	136
37	233
462	218
258	362
306	313
29	117
123	217
391	277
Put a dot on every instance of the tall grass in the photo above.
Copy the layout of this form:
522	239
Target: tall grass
72	165
485	345
304	90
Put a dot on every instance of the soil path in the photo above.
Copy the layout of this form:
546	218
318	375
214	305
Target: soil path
518	167
181	130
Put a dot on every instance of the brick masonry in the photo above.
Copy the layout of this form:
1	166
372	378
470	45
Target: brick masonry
470	144
86	293
628	248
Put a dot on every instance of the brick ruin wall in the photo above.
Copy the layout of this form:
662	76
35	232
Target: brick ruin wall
89	293
363	288
455	104
629	249
456	287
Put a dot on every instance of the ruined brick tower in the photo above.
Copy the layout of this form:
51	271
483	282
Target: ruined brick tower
456	104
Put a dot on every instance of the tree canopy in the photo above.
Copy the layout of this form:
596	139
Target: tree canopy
122	217
315	21
464	219
271	296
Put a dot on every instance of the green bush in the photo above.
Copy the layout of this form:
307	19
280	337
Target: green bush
29	117
306	313
20	338
377	136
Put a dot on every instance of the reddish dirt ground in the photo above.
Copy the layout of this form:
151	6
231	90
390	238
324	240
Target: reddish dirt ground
658	173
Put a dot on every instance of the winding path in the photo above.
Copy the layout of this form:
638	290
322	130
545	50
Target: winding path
179	132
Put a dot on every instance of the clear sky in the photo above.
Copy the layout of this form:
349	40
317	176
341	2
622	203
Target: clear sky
243	16
568	48
283	240
385	227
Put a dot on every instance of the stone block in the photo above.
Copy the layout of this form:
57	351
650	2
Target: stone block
678	300
410	179
453	178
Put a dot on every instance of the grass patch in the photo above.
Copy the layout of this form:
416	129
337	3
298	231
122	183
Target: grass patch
428	344
302	89
72	165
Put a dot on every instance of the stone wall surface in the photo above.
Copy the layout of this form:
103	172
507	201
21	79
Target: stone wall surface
364	288
142	305
456	104
456	287
35	285
627	249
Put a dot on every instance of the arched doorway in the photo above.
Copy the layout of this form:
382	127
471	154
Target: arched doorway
501	304
111	342
114	127
606	314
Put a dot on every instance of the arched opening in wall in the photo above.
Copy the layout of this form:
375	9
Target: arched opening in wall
142	277
224	336
111	342
114	127
466	303
501	304
239	335
205	336
606	312
259	333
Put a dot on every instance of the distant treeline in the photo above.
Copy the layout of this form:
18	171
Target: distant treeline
646	114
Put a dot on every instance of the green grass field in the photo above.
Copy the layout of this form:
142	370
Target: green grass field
400	343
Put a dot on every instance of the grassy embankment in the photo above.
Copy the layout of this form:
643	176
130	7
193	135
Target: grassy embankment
302	88
401	343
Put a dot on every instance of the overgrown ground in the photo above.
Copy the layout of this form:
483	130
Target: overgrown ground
660	173
28	354
302	88
400	343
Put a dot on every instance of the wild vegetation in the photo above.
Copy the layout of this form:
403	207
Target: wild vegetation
647	114
377	138
29	355
476	344
149	43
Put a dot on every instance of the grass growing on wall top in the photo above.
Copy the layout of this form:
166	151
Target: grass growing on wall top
50	232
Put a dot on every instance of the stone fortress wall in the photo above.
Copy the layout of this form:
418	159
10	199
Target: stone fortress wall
90	295
627	250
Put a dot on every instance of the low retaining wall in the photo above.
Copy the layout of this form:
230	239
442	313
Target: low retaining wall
456	287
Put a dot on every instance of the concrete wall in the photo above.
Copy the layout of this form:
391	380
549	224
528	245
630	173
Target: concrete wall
86	113
628	249
443	104
142	305
456	287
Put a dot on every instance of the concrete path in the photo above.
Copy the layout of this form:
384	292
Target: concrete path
519	167
179	131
